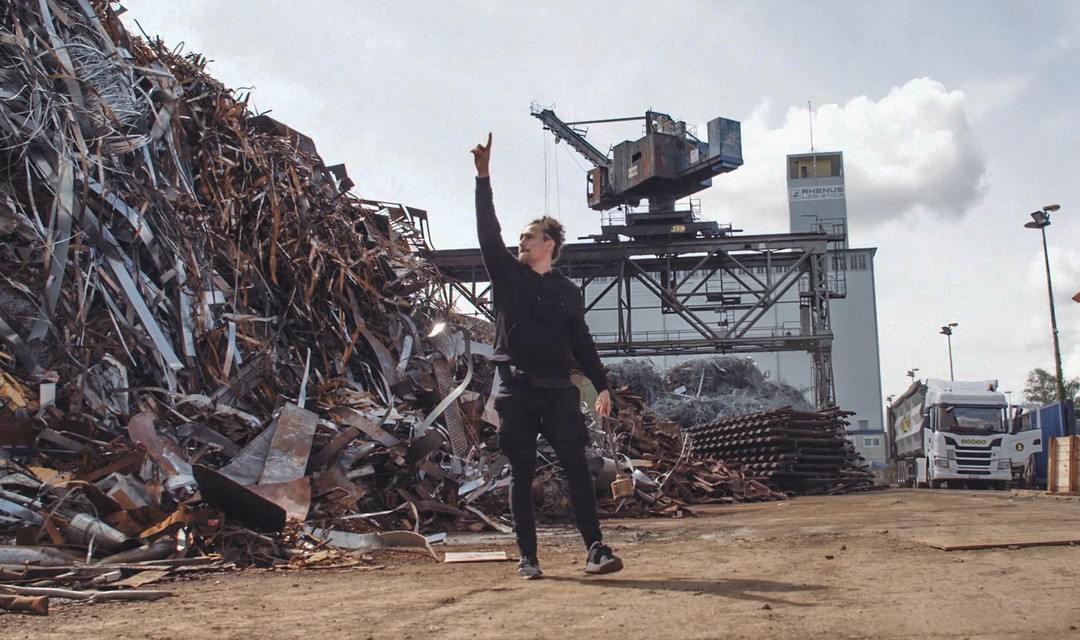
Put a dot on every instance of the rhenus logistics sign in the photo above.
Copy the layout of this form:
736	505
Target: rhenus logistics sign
817	193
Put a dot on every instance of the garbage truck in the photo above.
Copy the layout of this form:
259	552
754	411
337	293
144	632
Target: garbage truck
944	432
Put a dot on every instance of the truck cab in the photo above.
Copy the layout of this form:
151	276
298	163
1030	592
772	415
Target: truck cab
1032	430
944	432
967	443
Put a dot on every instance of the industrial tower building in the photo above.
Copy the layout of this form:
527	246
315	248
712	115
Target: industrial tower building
817	196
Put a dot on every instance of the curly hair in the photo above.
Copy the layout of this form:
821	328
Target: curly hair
553	229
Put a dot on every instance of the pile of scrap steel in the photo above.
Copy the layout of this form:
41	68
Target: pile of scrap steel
666	471
706	389
765	430
204	335
802	452
211	349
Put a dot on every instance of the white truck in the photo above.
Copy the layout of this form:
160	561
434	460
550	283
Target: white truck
1034	428
943	431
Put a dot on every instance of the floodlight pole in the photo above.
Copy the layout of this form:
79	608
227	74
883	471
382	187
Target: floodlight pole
1053	321
1040	221
947	332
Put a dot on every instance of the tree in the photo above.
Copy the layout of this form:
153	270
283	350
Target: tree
1041	387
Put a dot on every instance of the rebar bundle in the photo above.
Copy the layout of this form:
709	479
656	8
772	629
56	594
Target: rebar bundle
804	452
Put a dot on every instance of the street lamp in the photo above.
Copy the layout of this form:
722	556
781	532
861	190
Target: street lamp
947	332
911	374
1041	220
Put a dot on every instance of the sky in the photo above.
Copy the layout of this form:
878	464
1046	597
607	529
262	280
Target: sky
956	119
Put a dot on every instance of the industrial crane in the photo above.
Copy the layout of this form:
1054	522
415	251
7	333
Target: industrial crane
667	164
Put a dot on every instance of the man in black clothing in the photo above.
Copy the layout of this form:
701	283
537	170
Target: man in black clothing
540	338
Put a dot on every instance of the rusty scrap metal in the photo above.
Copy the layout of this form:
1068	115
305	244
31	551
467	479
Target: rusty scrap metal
221	344
25	604
89	596
804	452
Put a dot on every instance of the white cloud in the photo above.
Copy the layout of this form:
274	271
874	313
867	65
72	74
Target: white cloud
985	97
1057	47
910	153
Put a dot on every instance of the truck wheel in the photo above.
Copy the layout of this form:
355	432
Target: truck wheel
935	484
1027	478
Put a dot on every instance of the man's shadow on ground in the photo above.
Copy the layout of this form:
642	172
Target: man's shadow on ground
737	588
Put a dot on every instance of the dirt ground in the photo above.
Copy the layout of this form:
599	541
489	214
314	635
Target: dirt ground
855	566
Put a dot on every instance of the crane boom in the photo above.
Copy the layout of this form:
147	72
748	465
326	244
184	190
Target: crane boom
564	131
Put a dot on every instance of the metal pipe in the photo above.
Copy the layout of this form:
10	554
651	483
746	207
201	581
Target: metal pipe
160	550
86	529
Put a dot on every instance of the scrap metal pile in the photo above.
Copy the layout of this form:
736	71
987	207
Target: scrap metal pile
705	389
211	349
764	429
804	452
668	473
203	333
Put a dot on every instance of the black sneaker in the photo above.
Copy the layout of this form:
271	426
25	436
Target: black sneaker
529	568
602	560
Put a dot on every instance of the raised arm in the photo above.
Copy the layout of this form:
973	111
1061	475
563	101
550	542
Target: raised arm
488	231
482	158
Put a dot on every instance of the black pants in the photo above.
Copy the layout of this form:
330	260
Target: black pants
525	412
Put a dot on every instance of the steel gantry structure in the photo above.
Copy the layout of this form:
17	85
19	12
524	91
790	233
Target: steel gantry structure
681	277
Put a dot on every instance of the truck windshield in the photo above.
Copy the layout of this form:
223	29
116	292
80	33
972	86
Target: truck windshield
982	420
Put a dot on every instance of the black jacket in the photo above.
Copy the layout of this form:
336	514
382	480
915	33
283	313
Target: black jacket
539	319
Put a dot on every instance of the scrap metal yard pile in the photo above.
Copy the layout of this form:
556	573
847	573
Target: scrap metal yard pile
804	451
213	352
699	391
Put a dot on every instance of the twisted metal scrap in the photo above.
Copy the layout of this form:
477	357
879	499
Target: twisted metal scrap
209	250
